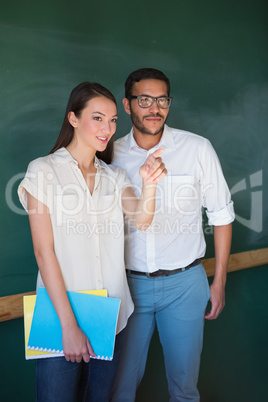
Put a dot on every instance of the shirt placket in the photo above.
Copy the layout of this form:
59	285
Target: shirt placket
91	202
150	241
94	201
150	250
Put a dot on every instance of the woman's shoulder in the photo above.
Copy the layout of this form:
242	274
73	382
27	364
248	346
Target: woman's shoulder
50	161
116	174
41	163
112	169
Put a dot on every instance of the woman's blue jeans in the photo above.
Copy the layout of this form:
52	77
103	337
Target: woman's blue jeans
58	380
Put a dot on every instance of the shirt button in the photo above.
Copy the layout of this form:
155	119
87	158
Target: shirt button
98	257
50	176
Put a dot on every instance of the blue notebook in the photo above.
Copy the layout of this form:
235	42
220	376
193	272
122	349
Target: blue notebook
95	315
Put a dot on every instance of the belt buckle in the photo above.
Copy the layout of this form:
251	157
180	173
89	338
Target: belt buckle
151	274
156	274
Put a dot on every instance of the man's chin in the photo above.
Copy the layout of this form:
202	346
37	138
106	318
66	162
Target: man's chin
145	131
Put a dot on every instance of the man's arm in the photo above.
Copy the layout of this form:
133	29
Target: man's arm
222	242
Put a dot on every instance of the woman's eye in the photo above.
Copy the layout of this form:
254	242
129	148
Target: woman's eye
114	120
97	118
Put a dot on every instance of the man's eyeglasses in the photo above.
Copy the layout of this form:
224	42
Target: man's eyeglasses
163	102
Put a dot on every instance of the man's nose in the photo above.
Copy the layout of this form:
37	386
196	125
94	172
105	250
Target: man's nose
154	108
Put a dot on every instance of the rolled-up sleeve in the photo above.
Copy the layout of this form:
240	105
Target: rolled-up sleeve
124	180
216	195
224	216
33	183
121	178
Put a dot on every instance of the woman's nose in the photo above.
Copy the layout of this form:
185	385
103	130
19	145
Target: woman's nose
106	128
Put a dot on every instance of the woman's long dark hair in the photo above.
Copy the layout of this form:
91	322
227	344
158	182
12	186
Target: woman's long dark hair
79	97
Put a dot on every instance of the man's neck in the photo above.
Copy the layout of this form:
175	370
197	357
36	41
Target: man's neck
146	141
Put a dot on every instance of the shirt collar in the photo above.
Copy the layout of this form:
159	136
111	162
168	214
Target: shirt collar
99	164
62	157
166	141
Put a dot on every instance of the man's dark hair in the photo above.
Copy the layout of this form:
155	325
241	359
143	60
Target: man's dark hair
144	74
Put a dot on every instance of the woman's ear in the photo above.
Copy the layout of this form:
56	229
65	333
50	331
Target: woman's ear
72	119
126	106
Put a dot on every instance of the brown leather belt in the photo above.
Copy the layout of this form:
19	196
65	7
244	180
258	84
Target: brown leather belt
164	272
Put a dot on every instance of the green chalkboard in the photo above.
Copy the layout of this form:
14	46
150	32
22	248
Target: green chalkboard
215	54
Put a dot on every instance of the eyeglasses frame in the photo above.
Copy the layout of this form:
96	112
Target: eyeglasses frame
154	100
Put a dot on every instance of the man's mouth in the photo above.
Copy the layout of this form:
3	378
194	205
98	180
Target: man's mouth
155	117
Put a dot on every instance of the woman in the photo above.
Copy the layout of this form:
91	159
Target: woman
75	202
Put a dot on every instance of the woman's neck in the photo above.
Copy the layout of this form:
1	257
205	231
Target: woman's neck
85	157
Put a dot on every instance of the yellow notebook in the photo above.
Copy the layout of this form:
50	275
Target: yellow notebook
28	308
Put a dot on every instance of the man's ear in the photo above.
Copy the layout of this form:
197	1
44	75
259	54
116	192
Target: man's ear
126	105
72	119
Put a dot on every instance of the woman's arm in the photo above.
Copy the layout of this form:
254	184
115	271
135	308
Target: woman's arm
75	344
141	210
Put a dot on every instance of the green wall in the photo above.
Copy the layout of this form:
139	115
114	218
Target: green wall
215	54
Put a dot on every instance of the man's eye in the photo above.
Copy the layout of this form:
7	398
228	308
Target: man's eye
145	100
163	101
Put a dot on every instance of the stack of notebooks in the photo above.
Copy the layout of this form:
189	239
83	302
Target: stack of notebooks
96	315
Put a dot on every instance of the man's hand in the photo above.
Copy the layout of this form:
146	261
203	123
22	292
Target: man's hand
222	241
153	169
217	301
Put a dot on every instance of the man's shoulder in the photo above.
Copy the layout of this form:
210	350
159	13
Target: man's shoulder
121	148
122	142
180	135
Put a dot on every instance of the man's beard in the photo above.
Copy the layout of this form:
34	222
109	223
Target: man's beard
137	123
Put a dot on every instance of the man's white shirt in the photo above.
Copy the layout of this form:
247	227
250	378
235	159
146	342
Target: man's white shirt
194	180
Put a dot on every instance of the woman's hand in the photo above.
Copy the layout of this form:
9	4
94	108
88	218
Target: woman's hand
153	169
76	345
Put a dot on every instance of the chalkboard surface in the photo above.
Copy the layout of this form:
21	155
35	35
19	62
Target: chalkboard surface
215	54
217	64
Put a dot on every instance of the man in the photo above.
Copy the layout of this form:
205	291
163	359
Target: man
167	281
